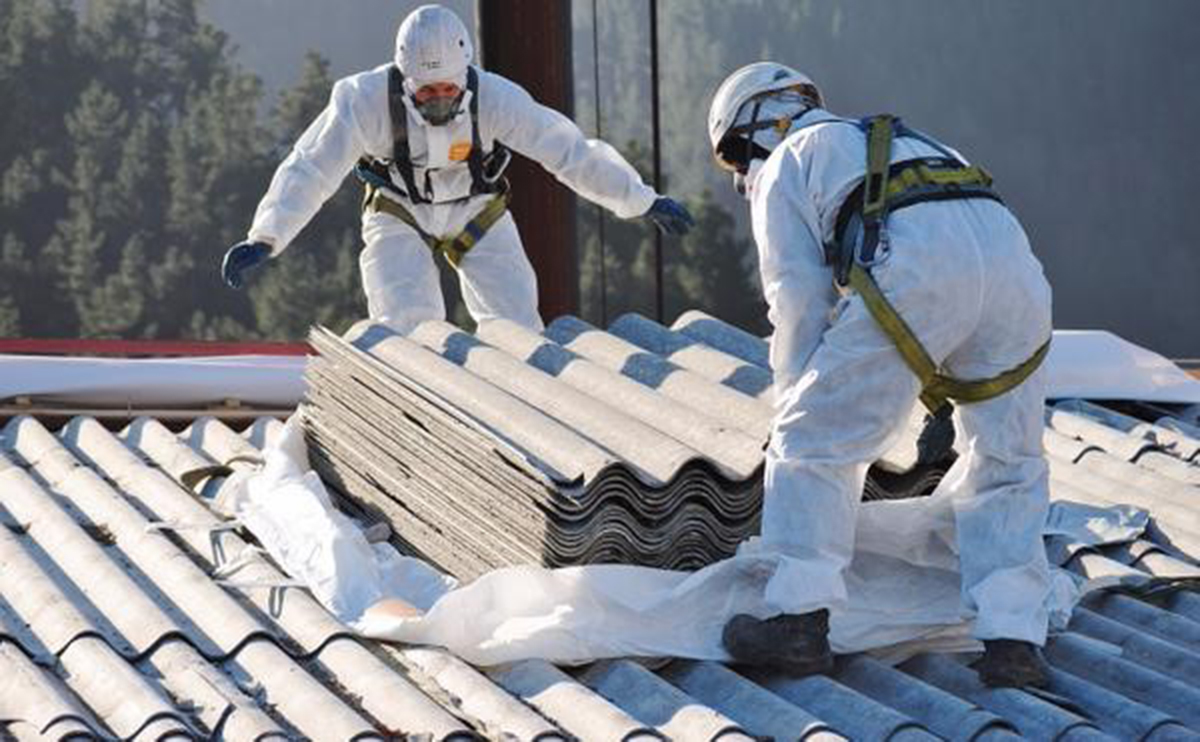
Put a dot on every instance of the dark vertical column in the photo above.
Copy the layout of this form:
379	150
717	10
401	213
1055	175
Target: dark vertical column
656	128
529	42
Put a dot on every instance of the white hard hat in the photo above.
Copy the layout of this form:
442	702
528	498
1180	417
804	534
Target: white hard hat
745	84
433	45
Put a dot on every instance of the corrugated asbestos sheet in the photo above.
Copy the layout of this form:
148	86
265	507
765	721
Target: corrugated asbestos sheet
128	611
637	445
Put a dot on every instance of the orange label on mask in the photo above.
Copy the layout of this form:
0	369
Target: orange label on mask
459	151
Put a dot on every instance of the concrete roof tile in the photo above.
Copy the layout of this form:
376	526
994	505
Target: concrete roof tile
35	704
746	702
573	706
692	354
657	703
1033	716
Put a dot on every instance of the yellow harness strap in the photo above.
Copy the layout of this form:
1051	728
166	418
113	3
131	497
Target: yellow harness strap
936	388
452	248
919	175
879	153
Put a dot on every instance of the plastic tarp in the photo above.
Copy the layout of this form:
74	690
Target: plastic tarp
1082	364
1094	364
266	381
903	582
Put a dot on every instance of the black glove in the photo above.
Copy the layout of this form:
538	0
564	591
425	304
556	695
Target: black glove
670	216
242	257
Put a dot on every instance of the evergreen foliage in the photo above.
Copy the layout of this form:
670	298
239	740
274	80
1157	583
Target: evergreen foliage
714	267
134	156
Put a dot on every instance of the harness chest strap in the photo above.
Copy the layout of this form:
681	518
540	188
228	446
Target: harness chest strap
916	182
402	155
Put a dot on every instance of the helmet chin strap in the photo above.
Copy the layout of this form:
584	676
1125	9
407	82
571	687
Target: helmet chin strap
761	142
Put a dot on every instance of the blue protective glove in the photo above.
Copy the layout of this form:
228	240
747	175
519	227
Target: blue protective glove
670	216
242	257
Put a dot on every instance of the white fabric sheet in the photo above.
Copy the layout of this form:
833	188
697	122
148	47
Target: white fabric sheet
903	583
1095	364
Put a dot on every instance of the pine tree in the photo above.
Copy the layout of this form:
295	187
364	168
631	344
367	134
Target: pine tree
124	175
214	165
80	244
40	80
711	272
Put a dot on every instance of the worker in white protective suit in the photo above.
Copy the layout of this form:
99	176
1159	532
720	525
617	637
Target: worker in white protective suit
430	134
846	246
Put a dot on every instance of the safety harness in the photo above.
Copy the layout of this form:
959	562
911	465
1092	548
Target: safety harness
861	228
452	248
486	176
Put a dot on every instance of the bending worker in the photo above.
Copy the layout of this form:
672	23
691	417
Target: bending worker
893	273
430	135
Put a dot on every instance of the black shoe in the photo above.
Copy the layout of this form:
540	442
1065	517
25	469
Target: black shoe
798	645
1008	663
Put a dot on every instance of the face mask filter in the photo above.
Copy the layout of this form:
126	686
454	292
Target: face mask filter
439	111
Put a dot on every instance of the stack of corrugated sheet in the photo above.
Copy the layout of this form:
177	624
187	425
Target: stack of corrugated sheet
642	444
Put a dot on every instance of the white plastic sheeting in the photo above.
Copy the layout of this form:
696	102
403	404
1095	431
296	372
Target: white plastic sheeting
286	506
268	381
903	583
1085	364
1094	364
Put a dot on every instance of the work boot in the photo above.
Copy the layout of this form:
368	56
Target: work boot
796	644
1008	663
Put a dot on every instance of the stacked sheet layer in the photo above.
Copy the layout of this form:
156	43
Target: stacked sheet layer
642	444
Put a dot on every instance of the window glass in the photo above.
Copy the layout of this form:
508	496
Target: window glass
1081	109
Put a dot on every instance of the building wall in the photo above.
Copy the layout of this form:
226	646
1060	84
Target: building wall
1081	109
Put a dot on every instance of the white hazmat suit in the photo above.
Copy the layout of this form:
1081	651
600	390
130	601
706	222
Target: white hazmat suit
398	271
963	277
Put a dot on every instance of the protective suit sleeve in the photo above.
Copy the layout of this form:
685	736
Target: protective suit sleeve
318	163
590	167
797	284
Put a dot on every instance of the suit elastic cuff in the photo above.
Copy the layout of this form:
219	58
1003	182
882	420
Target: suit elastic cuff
274	244
641	204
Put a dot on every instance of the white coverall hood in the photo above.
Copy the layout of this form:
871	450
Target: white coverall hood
433	45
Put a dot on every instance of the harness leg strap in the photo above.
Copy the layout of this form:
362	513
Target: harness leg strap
937	388
453	248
